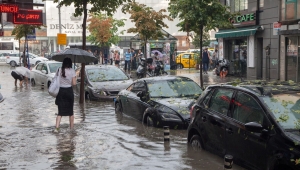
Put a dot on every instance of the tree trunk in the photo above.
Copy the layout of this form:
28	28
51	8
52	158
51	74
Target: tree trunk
201	52
81	97
145	54
24	53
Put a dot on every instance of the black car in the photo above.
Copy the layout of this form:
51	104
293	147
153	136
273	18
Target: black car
159	101
257	124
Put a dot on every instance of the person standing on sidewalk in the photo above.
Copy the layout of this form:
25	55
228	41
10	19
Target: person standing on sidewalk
128	60
65	97
133	61
117	58
205	60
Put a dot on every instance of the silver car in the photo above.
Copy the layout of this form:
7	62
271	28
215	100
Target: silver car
43	72
102	82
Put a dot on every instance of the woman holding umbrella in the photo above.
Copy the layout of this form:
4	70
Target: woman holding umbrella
65	97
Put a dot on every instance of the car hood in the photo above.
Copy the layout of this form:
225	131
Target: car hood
112	85
180	105
41	58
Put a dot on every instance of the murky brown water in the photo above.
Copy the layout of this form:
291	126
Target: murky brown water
101	139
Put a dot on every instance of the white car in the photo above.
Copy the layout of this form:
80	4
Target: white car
13	59
43	72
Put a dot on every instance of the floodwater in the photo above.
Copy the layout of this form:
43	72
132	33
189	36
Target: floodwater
101	139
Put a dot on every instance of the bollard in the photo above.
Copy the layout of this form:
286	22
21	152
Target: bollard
166	134
42	86
228	161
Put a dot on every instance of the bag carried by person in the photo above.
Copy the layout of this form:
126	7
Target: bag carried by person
55	84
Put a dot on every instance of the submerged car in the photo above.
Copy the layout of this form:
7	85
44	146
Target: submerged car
258	125
43	72
102	82
159	101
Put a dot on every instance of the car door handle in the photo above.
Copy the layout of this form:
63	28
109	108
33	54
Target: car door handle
229	131
203	118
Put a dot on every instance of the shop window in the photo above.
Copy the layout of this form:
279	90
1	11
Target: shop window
290	9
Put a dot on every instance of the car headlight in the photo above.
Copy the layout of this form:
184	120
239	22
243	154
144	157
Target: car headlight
99	92
170	117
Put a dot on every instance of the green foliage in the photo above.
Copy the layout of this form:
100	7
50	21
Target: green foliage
205	39
148	22
113	29
21	31
109	6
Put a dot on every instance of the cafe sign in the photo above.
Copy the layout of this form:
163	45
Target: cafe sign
245	19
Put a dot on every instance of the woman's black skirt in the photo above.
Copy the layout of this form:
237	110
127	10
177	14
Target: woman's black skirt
65	101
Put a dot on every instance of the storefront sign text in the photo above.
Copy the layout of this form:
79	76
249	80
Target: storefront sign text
9	8
67	28
245	18
30	17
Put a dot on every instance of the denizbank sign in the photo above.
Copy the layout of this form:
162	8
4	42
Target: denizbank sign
70	25
246	19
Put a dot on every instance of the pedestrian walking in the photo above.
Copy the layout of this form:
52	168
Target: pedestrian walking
96	56
139	56
65	97
128	60
205	60
111	56
100	57
134	59
215	58
117	58
21	74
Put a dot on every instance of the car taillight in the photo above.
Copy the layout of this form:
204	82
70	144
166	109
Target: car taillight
191	112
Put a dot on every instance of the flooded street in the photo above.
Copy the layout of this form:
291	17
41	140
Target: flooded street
101	139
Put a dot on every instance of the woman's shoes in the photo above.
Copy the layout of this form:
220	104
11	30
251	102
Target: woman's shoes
56	130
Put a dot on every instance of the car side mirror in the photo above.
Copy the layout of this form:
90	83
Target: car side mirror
254	127
44	71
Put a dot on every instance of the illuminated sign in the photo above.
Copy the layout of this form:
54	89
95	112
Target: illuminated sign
245	18
9	8
30	17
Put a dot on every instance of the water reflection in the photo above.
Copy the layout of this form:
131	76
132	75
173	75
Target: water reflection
66	147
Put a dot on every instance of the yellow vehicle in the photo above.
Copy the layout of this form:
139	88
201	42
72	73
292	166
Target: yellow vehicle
186	60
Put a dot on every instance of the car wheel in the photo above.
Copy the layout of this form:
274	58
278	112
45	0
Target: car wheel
37	62
32	82
149	121
87	96
179	66
13	63
196	142
118	108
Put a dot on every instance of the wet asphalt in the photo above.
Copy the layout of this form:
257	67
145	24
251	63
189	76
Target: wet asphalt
101	139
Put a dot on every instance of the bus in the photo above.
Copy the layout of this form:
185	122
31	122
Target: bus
9	46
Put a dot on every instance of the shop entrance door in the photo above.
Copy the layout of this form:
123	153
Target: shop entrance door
292	59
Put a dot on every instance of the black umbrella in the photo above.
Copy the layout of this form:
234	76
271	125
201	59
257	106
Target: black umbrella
75	54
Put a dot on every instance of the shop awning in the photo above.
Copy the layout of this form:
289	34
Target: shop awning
238	32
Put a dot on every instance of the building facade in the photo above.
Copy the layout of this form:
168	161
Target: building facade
289	33
246	45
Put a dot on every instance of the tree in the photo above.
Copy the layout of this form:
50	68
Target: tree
104	29
21	31
205	39
148	22
200	16
107	6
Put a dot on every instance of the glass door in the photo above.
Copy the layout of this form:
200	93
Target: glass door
292	59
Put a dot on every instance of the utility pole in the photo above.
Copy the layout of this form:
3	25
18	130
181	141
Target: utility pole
59	20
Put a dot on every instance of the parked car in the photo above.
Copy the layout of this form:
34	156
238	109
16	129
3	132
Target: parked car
14	59
102	82
49	55
257	124
43	72
186	60
159	101
3	57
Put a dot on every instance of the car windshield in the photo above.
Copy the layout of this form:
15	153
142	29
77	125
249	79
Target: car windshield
54	66
174	88
286	109
106	74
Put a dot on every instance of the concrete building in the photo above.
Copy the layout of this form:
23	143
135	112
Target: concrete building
245	45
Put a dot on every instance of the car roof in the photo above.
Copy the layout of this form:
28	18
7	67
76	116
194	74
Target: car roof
51	61
262	89
158	78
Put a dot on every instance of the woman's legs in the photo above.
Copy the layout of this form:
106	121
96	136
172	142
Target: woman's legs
71	119
58	119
